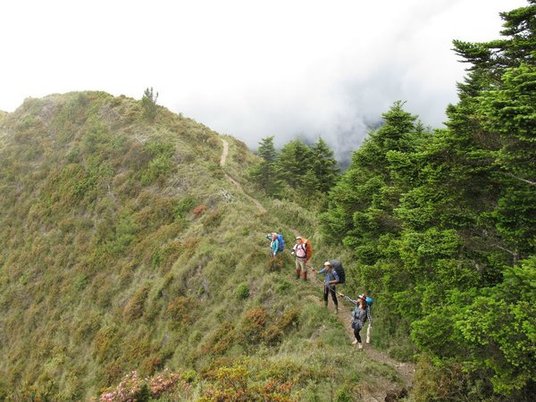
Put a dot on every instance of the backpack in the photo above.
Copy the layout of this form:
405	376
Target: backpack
280	242
369	300
337	266
308	249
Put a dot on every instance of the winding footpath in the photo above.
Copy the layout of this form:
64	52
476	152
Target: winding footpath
223	159
406	371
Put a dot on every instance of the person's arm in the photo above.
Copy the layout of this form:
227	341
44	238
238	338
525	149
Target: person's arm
335	278
322	271
347	298
369	316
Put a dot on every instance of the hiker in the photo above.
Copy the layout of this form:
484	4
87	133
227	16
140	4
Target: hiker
330	280
299	250
368	300
274	244
360	315
277	242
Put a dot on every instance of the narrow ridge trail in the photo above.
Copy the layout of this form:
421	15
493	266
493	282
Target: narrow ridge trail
406	371
223	159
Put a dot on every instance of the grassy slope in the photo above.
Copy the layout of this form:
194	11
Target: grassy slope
125	248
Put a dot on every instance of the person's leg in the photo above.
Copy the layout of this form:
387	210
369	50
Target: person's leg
368	333
333	292
298	268
303	269
326	291
357	336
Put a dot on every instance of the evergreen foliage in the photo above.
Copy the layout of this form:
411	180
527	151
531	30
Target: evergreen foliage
442	224
265	173
148	102
298	171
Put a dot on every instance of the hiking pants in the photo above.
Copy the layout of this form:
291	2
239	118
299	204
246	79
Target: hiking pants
330	289
357	335
300	265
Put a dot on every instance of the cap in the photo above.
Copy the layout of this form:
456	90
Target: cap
298	237
327	264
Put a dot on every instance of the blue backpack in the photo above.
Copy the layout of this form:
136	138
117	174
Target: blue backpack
280	242
369	301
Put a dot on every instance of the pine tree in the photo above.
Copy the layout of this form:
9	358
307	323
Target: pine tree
363	200
148	102
293	163
324	166
265	174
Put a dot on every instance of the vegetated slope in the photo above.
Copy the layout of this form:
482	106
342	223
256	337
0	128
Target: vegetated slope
126	248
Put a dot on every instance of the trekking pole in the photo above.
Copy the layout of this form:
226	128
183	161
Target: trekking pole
347	298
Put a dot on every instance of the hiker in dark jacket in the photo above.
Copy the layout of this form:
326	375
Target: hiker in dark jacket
360	315
330	280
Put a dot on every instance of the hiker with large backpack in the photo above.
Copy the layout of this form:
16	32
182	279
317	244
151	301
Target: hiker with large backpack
274	244
277	243
300	252
331	279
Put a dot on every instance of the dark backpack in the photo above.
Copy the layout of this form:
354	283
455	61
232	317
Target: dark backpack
280	242
337	266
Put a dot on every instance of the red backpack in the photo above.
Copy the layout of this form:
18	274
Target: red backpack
308	249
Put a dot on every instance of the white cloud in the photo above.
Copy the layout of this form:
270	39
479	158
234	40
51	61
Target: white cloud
249	68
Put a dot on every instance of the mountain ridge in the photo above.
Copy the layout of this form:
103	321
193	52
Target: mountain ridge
127	247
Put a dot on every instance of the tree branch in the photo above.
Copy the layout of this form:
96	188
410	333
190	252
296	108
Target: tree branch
532	183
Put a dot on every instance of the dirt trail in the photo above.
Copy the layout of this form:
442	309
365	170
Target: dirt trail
224	152
406	371
223	159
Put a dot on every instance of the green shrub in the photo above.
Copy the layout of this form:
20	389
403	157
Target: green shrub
148	102
184	206
242	291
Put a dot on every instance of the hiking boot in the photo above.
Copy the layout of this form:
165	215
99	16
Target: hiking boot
354	342
359	345
298	276
305	276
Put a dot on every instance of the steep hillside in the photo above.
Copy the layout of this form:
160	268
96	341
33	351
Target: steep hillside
127	247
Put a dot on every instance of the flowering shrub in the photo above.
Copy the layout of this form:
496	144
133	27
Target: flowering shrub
135	389
199	210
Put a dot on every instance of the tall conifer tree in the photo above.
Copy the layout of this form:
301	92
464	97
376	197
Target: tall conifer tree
265	174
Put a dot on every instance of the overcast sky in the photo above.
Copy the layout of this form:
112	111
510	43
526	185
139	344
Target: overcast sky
250	68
